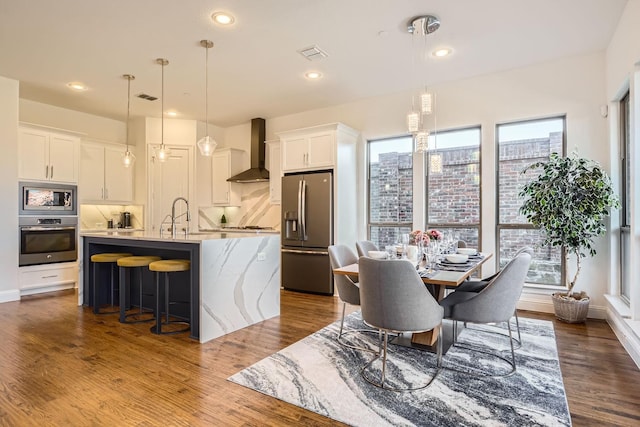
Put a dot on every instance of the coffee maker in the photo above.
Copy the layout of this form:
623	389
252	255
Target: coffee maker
125	219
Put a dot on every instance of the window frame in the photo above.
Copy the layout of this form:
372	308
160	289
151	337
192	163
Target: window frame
436	225
526	226
624	124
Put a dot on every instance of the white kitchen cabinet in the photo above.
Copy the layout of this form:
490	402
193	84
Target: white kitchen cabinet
312	151
103	177
225	163
275	172
36	279
46	155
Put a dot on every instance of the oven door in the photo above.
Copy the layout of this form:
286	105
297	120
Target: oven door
47	244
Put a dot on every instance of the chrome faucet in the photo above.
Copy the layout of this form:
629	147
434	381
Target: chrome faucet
173	217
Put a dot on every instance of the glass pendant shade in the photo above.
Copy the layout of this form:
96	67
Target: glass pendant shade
163	153
413	122
128	158
422	141
435	163
426	101
207	145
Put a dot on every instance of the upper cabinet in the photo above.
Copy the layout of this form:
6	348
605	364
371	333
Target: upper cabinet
46	155
103	177
312	151
225	163
275	171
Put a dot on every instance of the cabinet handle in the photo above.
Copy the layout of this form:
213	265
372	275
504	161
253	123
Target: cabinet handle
49	277
106	194
102	193
51	171
46	171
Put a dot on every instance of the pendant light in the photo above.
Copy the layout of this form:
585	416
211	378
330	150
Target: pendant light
416	121
128	158
207	144
163	152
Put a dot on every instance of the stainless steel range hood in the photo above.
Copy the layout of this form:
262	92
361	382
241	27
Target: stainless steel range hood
257	173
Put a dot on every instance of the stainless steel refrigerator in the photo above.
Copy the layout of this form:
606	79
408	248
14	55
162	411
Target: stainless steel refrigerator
307	231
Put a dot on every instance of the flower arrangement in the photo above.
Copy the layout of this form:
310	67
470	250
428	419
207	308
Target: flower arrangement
417	236
434	234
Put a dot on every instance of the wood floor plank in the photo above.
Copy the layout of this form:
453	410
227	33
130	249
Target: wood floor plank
62	365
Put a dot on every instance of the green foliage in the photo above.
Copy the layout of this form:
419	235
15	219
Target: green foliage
569	200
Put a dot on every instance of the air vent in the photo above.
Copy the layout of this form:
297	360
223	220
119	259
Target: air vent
313	53
147	97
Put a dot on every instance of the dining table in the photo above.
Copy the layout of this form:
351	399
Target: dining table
444	276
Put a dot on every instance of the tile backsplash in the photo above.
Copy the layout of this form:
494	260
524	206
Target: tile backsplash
93	217
254	210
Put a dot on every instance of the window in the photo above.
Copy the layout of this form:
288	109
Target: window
453	184
390	189
520	144
625	223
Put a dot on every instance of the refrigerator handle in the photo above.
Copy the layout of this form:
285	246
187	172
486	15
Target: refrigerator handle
298	220
298	251
303	219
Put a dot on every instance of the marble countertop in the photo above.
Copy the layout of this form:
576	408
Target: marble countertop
194	237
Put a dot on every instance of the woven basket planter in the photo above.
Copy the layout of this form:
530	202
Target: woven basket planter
571	310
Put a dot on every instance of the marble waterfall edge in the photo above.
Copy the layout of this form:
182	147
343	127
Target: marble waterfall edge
240	283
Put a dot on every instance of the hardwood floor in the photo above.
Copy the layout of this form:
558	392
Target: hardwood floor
62	365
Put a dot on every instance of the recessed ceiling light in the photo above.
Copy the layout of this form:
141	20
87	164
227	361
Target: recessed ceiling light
313	75
77	86
442	52
172	113
223	18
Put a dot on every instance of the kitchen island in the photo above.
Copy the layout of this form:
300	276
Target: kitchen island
234	280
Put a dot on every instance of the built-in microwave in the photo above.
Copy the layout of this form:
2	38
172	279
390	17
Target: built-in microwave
38	198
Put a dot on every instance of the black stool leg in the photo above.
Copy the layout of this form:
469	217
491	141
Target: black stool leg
123	284
95	288
157	328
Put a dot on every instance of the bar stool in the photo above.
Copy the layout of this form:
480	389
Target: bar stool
127	264
168	266
105	258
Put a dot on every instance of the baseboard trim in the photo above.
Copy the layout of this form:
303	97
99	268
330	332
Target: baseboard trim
625	334
8	296
534	302
45	289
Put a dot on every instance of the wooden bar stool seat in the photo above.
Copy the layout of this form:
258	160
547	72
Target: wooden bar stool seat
168	266
127	266
105	258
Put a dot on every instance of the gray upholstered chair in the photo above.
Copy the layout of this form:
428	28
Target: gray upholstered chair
478	285
364	246
348	290
494	304
394	299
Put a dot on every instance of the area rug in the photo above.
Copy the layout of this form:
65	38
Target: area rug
320	375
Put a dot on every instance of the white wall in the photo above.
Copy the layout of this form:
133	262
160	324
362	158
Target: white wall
93	127
622	74
9	236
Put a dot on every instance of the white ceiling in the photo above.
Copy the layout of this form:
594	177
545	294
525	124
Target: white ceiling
254	69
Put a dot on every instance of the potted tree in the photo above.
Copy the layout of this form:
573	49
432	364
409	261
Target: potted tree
569	200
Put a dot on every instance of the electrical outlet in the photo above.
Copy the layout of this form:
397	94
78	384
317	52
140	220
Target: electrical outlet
261	256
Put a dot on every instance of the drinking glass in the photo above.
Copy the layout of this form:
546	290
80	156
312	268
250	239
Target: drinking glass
391	251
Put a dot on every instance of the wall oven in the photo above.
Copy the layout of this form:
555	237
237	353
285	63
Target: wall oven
45	240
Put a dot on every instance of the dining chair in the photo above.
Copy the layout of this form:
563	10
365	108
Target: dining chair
348	290
394	300
494	304
364	246
472	285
